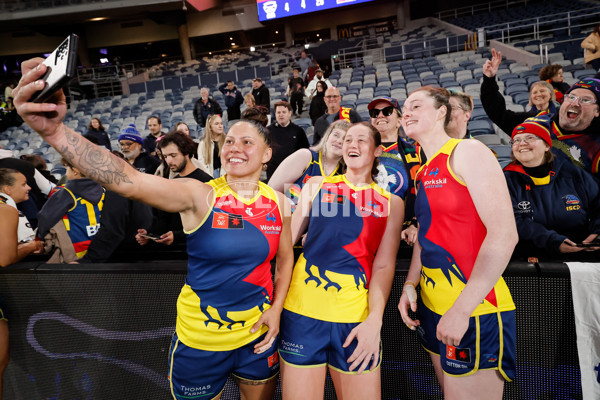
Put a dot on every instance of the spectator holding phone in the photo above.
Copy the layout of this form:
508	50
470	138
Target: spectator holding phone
556	204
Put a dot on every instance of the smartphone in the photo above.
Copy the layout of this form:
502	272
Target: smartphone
151	236
60	68
595	243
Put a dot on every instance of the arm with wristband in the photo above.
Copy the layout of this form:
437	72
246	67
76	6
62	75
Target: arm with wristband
409	290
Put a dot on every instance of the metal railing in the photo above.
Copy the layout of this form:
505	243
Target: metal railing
538	26
354	56
481	8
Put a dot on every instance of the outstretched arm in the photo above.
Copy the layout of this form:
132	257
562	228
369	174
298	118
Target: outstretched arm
95	162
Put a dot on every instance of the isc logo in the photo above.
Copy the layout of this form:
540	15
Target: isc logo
573	208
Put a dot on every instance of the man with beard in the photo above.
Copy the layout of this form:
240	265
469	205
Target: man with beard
177	150
131	143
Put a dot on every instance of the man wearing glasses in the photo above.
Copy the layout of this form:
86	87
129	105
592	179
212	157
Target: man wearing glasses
575	129
131	144
335	111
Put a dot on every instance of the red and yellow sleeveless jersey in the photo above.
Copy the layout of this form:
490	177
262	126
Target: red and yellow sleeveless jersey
331	278
450	235
229	282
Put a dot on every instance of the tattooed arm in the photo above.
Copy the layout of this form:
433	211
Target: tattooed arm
96	162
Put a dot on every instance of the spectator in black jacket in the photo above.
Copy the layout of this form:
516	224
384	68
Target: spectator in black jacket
233	100
96	129
317	104
296	92
286	137
204	107
261	94
155	127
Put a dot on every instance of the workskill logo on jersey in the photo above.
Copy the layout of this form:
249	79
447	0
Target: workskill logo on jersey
271	229
373	209
572	202
227	221
432	181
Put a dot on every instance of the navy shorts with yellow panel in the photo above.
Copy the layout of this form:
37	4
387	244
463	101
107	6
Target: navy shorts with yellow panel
309	342
201	374
489	343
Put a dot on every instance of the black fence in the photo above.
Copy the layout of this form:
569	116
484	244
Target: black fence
103	332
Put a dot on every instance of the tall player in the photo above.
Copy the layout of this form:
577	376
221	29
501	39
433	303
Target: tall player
466	236
235	226
341	282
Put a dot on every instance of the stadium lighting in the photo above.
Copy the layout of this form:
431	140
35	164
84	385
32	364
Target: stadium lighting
306	46
252	48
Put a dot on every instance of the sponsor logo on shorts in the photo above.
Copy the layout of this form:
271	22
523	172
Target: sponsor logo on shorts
457	354
196	391
291	348
273	359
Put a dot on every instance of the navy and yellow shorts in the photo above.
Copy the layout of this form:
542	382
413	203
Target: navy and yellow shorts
489	343
201	374
309	342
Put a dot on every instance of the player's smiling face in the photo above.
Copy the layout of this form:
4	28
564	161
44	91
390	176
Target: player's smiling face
359	148
335	141
418	114
244	151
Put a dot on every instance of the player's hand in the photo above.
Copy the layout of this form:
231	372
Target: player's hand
490	67
166	238
44	118
569	246
140	239
452	327
270	318
368	336
409	235
589	239
408	299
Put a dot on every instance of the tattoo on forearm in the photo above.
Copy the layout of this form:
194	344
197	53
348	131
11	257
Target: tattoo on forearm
95	163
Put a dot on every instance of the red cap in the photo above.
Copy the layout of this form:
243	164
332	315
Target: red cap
534	128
